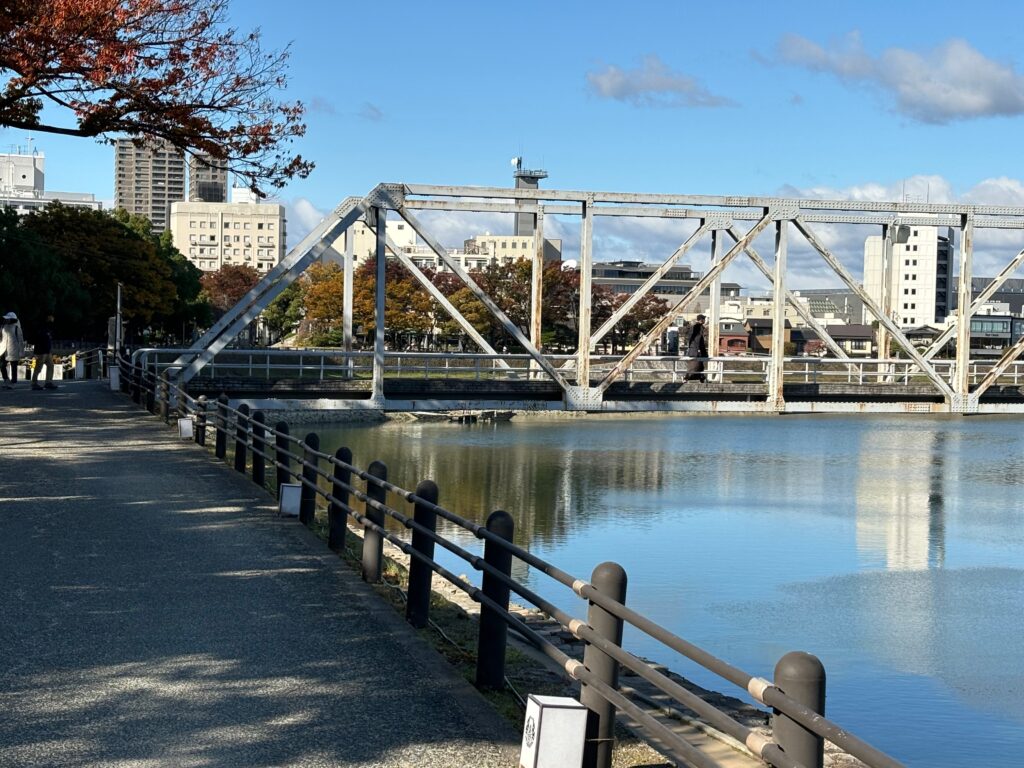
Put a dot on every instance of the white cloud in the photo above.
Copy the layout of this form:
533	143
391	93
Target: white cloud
953	81
301	216
652	84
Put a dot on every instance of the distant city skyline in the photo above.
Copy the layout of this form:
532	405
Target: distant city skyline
869	101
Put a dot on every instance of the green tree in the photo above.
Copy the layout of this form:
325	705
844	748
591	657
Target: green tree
285	313
97	252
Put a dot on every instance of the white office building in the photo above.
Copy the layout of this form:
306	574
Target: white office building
212	235
920	276
23	184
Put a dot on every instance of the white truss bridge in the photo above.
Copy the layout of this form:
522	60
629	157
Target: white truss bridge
916	382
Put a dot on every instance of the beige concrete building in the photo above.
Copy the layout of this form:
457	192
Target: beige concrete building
212	235
148	179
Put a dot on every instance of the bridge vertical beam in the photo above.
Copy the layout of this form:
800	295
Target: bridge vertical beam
886	297
962	380
346	300
776	401
379	222
537	284
715	306
586	279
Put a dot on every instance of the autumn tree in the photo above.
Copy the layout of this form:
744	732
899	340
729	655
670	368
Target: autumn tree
323	297
408	310
170	70
225	287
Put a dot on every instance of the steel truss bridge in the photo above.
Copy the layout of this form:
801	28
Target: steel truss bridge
584	381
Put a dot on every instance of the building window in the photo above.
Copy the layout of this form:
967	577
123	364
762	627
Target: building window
191	225
260	225
913	291
202	225
915	233
227	225
915	248
247	225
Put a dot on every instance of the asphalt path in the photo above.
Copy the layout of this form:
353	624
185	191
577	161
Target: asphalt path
154	612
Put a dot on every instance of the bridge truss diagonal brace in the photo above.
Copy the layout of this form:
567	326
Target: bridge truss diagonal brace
943	338
480	294
875	310
692	295
1009	357
269	279
648	284
801	310
441	299
243	313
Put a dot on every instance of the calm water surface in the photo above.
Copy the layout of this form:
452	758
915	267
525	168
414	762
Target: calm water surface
889	547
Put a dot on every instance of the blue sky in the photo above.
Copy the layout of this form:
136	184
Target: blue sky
868	99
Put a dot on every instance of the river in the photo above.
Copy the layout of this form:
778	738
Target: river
890	547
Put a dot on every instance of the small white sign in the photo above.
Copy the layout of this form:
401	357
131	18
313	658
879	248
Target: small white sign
553	733
289	496
186	427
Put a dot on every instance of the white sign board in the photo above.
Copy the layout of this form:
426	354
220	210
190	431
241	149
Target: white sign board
553	733
289	496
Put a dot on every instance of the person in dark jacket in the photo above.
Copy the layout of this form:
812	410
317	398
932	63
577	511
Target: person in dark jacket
696	350
44	355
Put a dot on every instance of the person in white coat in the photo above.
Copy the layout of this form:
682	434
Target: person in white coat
12	346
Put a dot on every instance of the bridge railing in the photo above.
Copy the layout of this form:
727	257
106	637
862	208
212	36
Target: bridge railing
312	365
332	484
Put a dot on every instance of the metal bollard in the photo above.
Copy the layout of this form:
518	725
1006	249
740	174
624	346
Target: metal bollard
241	437
336	515
493	631
221	442
165	398
373	541
201	420
281	457
259	449
136	385
150	386
608	579
311	463
800	676
417	609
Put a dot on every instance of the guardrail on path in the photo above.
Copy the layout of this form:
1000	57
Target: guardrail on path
797	693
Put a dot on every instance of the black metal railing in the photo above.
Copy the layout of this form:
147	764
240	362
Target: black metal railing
796	694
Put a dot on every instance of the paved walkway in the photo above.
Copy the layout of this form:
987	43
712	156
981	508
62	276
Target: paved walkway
153	612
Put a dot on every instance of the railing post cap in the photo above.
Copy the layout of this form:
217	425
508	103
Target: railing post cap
608	573
501	523
800	667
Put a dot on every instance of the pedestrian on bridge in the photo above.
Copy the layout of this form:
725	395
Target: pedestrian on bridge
12	346
696	350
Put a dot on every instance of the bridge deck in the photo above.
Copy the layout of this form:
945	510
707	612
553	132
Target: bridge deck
156	613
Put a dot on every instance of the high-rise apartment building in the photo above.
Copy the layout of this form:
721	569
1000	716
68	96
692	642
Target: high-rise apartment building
212	235
921	274
207	180
147	179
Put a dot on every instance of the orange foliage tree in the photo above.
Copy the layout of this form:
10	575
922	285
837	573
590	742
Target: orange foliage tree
169	70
